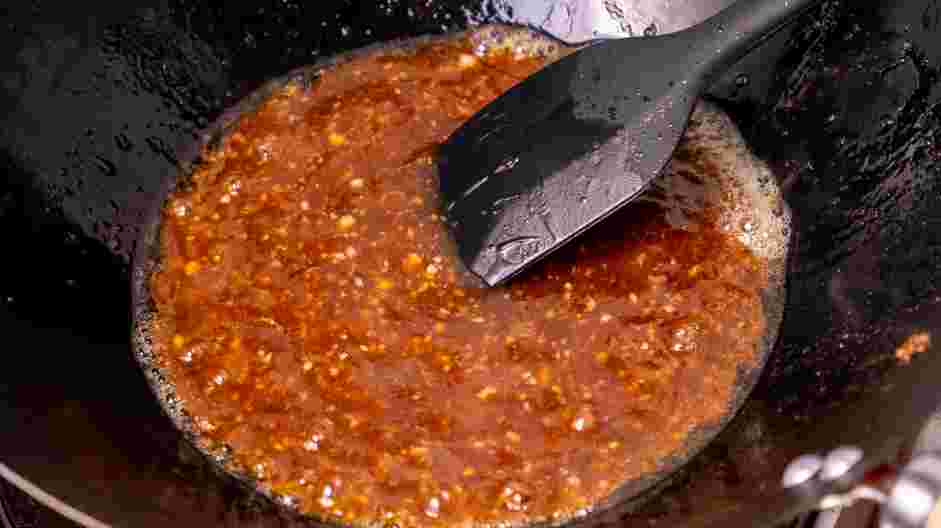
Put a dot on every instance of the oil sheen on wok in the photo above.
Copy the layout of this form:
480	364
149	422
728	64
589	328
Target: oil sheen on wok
319	331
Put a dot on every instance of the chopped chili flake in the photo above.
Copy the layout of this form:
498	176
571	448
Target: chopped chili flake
344	355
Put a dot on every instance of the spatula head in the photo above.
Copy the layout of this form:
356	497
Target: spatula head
562	150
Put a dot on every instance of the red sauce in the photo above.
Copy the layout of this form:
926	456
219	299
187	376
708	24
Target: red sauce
314	320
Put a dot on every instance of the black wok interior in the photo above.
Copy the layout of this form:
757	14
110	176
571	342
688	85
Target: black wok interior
102	101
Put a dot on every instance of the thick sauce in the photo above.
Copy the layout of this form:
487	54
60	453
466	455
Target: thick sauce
314	321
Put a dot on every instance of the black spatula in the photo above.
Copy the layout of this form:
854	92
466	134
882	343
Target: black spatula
584	136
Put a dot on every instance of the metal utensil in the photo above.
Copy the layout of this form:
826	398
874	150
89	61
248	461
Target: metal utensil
909	496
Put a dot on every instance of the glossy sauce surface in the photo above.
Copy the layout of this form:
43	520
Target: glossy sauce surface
315	323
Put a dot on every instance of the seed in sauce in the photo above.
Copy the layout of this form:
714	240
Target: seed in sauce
316	324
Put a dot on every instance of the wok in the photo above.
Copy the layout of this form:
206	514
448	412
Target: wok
103	102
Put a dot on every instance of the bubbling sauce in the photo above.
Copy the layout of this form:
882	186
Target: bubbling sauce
317	327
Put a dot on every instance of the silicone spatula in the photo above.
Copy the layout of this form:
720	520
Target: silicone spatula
584	136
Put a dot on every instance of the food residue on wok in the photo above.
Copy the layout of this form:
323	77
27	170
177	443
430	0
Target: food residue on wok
915	344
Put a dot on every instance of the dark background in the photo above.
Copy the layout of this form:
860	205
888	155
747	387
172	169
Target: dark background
101	100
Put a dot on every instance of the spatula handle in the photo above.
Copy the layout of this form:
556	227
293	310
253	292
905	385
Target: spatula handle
729	35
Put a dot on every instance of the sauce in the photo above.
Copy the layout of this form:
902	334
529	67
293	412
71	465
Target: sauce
316	324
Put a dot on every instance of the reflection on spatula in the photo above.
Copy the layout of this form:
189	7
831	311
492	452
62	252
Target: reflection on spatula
584	136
